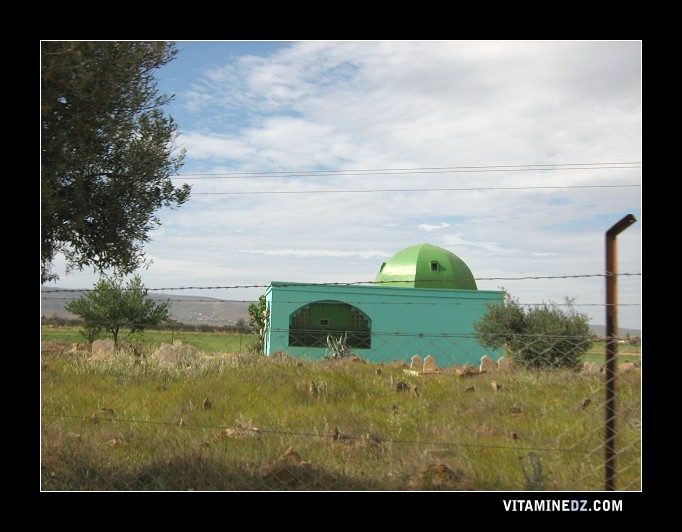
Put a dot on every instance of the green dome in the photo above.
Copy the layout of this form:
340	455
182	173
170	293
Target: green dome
426	266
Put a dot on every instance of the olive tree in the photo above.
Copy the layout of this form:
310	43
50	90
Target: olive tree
536	336
108	152
111	307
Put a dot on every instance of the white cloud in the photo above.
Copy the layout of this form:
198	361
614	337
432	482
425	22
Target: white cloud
409	104
459	241
214	146
429	228
308	253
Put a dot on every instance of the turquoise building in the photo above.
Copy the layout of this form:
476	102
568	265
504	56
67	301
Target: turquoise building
424	300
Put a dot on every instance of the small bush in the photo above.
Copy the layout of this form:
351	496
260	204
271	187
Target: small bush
539	336
337	347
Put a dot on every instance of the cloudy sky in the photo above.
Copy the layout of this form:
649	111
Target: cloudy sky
317	161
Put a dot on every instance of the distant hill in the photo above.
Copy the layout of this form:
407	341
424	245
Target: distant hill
207	310
185	309
600	330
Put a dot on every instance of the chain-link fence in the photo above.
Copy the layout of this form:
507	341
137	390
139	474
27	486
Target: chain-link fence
177	418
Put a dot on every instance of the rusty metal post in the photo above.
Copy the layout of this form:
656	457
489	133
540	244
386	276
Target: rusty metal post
612	351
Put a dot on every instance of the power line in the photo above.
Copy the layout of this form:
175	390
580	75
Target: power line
454	189
416	170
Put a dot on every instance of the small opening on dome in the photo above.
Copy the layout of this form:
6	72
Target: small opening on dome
382	267
324	322
434	266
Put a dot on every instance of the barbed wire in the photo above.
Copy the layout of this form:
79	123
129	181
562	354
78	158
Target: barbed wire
377	334
217	301
356	283
260	430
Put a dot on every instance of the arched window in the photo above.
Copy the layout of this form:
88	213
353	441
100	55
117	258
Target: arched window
310	325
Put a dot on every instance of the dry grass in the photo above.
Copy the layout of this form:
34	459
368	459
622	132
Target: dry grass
130	424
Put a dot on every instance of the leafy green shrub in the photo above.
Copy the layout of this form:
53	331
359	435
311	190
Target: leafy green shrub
258	315
538	336
111	307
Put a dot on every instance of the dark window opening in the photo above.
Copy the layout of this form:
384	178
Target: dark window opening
358	321
307	327
434	266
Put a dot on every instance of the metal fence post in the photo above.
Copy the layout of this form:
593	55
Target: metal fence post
612	351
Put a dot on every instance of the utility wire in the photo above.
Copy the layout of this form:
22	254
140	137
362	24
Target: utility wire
365	191
416	170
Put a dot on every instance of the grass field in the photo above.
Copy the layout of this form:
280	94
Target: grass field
597	353
124	425
208	342
217	342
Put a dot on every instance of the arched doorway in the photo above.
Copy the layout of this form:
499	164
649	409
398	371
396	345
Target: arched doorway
310	325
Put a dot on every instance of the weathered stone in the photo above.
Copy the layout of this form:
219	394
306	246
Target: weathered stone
102	349
232	432
592	367
175	354
167	355
416	363
241	430
187	354
505	364
626	366
429	364
487	364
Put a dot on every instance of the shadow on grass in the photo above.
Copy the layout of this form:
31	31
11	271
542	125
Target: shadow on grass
196	474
